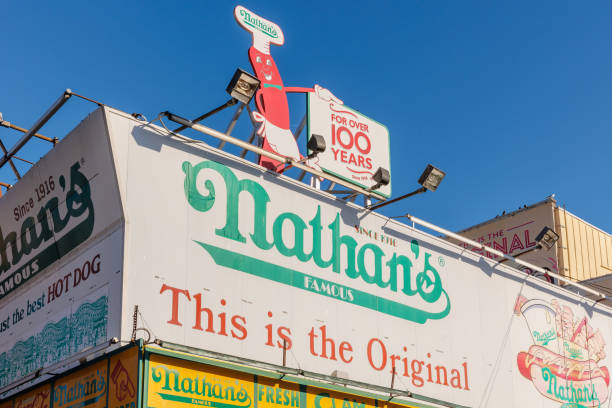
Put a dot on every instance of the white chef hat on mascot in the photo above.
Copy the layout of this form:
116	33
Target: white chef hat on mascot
264	31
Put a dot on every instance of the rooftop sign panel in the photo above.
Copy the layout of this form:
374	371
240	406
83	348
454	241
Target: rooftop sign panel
356	145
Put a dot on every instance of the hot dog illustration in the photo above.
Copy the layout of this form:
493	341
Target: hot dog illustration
565	362
271	97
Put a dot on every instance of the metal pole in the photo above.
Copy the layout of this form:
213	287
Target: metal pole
36	127
10	160
295	163
253	133
5	185
207	114
536	248
222	136
232	124
379	205
300	128
9	125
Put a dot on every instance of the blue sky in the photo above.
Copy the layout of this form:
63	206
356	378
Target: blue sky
511	99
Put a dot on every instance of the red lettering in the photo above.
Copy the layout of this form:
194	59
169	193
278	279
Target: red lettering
352	159
348	144
68	275
383	350
312	338
528	242
51	293
363	136
238	322
284	333
345	346
516	243
325	341
59	288
175	301
198	315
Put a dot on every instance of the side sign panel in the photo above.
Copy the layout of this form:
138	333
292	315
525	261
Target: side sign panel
39	397
123	379
68	197
60	262
177	383
83	388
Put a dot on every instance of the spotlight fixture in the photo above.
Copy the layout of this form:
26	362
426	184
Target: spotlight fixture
547	238
381	177
316	144
431	177
430	180
242	86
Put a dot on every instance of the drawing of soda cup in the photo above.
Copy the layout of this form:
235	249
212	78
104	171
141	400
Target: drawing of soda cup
540	318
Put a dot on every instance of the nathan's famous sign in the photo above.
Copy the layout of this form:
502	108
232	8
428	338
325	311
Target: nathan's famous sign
49	234
367	263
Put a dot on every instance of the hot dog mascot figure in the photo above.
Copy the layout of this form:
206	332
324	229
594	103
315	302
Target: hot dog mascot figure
271	97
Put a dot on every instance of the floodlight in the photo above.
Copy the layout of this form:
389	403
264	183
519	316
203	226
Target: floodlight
547	238
430	180
242	86
431	177
381	177
316	144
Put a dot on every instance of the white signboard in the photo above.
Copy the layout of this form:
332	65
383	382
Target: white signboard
60	270
225	256
356	146
67	198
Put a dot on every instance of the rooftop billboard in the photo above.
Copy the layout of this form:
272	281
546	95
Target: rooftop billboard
226	256
61	244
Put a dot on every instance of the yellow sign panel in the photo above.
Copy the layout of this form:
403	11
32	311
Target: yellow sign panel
123	379
84	388
173	382
39	397
320	398
276	394
180	383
